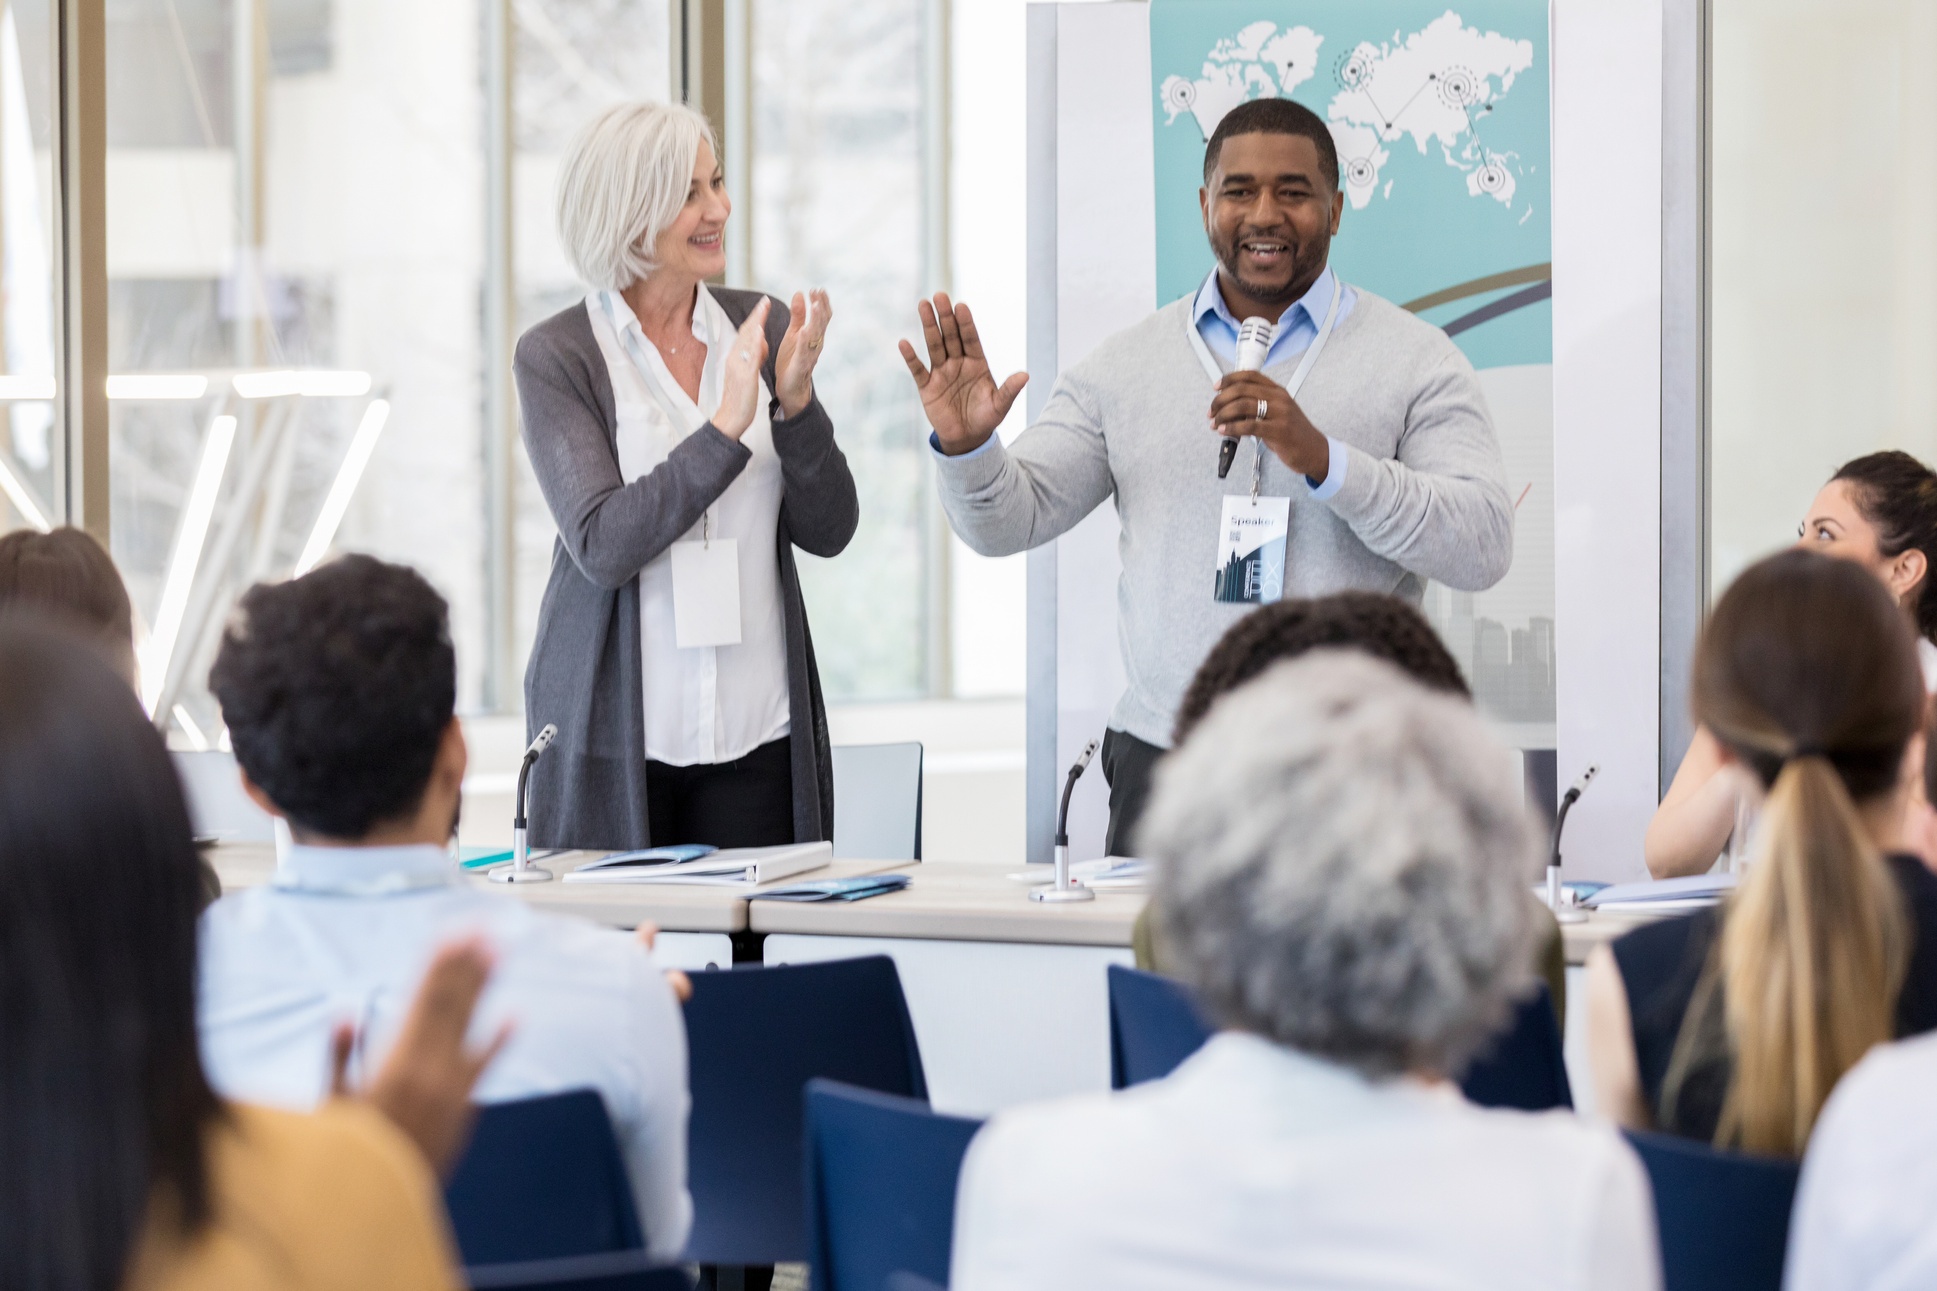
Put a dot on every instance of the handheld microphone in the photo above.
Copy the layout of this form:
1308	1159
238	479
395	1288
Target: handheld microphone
1567	801
1065	888
522	870
1254	344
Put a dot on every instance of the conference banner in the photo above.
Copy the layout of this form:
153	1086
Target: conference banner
1442	122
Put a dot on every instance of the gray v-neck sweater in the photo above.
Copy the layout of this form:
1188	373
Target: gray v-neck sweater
1424	495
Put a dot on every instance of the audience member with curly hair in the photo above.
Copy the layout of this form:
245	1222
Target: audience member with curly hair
338	689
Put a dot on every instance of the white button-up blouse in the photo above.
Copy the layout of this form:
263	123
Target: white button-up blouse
703	704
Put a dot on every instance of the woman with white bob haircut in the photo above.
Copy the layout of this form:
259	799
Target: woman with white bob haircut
1343	860
674	431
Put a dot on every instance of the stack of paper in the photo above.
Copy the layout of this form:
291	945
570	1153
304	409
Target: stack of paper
859	888
1664	895
734	867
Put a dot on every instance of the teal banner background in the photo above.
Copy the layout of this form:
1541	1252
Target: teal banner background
1440	114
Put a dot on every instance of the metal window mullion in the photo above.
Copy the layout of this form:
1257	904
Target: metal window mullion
500	398
937	619
80	458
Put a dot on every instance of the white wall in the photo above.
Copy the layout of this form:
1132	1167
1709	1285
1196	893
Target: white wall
1607	420
1106	279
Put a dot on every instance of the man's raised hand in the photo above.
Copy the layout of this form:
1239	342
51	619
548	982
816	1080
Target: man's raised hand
959	395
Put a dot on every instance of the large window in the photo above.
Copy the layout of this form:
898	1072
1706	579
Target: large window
28	445
305	255
1824	263
838	200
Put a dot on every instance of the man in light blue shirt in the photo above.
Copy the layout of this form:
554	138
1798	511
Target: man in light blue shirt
338	690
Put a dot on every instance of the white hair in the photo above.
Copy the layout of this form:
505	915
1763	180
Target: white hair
1342	866
625	178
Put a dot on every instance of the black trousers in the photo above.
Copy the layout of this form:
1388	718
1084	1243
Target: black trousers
748	802
1128	763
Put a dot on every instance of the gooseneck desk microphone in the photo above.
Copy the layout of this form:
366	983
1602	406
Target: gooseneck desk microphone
522	870
1565	914
1254	343
1065	888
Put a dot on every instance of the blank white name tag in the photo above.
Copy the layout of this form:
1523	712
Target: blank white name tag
706	593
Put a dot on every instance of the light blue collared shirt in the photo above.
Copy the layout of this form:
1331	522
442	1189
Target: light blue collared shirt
1297	329
344	934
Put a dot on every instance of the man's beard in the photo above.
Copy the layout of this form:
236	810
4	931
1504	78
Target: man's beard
1227	259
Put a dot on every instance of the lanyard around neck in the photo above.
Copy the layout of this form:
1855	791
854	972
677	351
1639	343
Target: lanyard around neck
1297	381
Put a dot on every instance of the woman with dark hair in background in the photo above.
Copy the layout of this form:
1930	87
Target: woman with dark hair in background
123	1171
66	578
1733	1024
67	574
1878	511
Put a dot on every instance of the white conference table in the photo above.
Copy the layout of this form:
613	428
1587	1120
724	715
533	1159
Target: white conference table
1008	996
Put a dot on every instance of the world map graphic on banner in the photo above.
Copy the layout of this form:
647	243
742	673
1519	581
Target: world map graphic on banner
1442	122
1440	117
1435	88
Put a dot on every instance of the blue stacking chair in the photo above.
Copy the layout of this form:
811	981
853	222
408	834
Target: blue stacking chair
756	1036
542	1179
1524	1067
881	1176
1723	1216
1154	1026
613	1271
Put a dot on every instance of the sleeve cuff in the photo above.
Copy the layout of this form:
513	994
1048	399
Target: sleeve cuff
935	442
1334	480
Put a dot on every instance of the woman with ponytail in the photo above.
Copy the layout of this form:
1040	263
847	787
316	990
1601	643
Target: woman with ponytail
1880	512
1732	1025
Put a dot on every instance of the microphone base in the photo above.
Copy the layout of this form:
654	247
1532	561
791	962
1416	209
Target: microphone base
1074	892
530	875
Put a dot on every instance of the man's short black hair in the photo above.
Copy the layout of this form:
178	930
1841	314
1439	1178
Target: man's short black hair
1384	627
337	688
1275	116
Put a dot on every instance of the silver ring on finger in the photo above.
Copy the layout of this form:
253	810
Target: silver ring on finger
1264	408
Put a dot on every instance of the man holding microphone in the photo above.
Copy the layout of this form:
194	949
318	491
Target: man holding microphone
1372	462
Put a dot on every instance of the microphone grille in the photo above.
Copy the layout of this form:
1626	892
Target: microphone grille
1256	331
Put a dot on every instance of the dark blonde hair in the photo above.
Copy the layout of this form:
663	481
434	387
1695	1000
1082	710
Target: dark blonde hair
1807	672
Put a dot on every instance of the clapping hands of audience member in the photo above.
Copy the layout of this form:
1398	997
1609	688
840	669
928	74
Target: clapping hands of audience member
424	1086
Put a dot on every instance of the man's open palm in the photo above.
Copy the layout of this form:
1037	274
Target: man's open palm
959	395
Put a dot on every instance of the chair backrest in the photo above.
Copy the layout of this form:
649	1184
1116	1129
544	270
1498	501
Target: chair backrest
1723	1216
615	1271
755	1037
1154	1026
542	1179
217	805
881	1176
877	802
1523	1067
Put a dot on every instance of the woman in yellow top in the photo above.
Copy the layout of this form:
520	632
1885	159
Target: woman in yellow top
123	1170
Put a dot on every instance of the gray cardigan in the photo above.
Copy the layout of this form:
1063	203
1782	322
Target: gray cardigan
589	790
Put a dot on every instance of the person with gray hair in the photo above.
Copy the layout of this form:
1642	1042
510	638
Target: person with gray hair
1342	863
673	429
